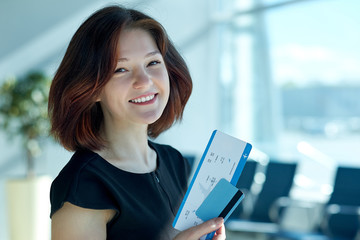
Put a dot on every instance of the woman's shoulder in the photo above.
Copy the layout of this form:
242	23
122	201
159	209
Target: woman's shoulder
78	163
74	181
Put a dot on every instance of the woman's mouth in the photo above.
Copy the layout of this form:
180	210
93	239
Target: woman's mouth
144	99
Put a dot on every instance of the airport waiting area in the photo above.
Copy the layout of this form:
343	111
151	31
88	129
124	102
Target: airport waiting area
268	211
281	75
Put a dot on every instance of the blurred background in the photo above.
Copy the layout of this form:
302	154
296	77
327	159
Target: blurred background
283	75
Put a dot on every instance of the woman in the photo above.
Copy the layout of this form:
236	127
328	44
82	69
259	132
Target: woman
121	81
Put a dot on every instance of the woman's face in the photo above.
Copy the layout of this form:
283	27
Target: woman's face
139	90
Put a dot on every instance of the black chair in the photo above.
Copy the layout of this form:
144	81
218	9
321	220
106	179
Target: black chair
244	184
247	176
191	159
278	182
341	214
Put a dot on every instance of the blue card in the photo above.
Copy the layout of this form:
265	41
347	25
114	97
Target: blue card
220	202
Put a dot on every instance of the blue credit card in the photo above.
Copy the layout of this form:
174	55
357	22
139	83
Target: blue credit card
220	202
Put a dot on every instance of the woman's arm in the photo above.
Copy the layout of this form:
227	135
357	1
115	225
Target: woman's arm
72	222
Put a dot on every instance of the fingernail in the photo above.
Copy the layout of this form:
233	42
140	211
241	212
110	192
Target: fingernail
219	221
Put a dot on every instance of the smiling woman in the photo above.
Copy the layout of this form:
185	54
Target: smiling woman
93	64
121	81
140	91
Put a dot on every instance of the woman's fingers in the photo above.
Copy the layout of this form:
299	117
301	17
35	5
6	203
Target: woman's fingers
196	232
220	233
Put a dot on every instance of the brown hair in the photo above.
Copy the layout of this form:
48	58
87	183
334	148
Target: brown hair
90	62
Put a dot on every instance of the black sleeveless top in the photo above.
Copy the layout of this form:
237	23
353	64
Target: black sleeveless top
145	204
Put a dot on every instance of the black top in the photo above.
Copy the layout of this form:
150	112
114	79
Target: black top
145	204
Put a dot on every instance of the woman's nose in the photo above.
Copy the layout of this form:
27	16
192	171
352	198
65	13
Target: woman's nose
142	79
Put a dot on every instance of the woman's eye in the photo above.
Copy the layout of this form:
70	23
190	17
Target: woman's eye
120	70
154	63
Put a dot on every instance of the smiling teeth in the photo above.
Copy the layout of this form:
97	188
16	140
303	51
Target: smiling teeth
143	99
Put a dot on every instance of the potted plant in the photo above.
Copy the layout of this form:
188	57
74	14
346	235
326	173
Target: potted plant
23	116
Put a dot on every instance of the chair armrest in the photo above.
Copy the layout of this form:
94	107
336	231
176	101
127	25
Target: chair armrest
296	215
342	210
285	202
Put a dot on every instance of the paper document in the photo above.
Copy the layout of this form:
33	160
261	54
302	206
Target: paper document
224	157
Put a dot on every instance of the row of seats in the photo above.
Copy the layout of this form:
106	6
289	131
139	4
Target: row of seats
262	212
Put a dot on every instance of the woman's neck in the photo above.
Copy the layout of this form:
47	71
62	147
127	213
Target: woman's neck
128	149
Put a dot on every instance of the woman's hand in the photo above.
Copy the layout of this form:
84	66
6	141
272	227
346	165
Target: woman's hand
194	233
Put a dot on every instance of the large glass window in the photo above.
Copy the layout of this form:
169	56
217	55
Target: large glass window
295	82
315	59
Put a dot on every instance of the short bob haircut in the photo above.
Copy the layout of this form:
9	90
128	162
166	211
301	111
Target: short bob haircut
89	63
